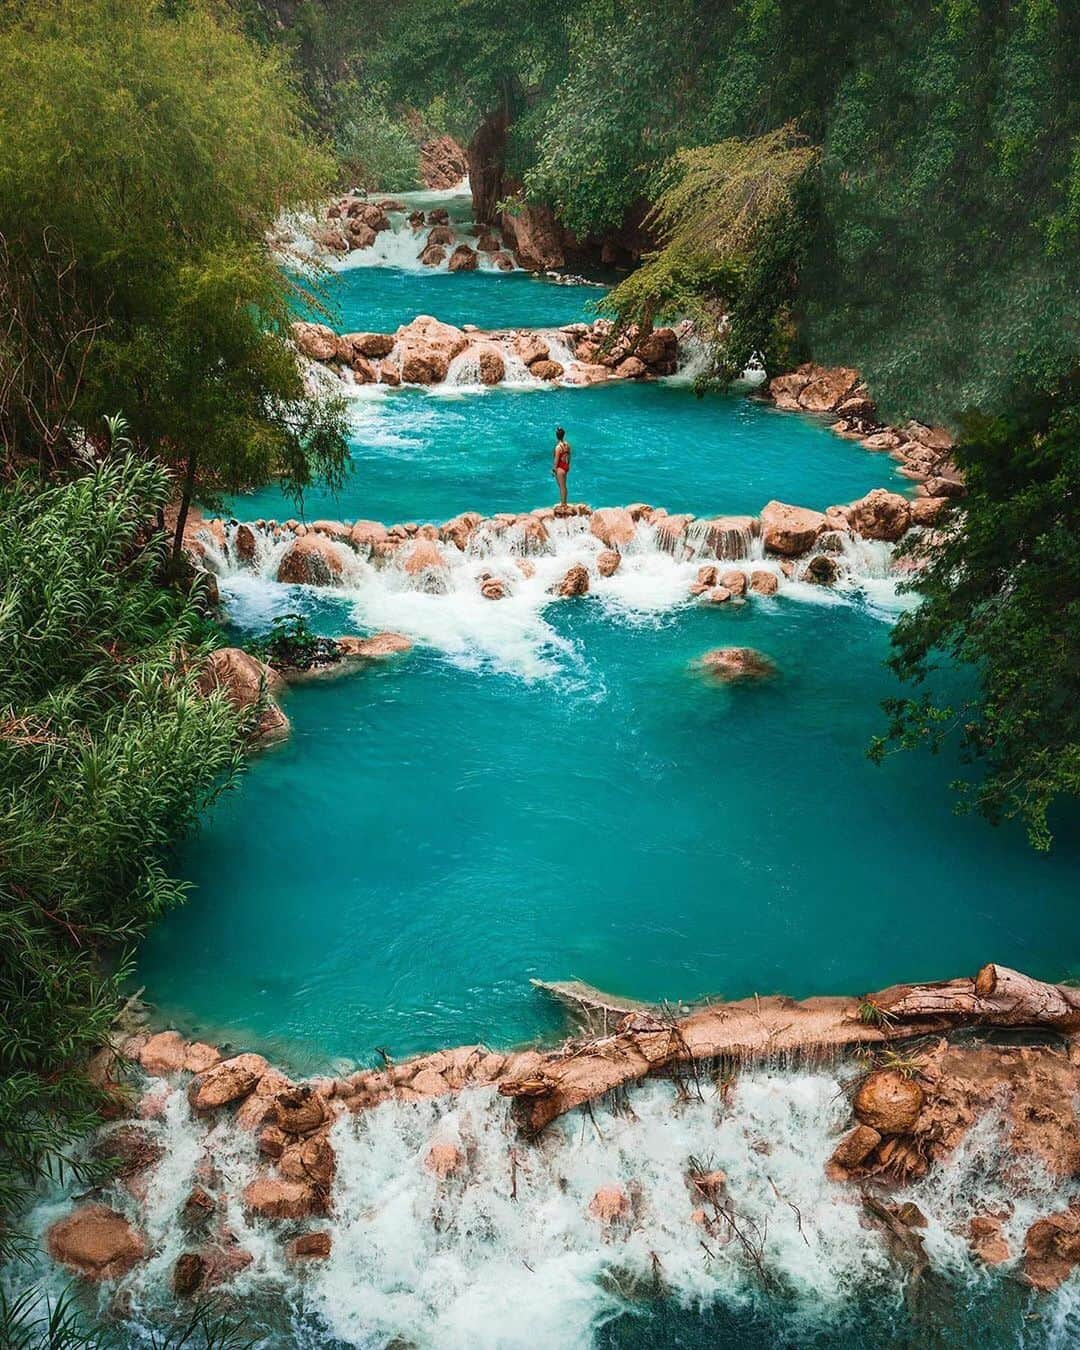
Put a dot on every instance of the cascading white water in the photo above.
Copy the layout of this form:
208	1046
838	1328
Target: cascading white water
445	608
505	1253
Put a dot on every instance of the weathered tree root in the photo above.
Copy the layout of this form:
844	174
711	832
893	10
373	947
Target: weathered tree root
643	1044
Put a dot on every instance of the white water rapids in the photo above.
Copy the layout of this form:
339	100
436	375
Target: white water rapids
445	609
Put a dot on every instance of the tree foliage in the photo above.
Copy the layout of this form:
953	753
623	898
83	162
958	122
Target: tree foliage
147	151
1001	595
107	755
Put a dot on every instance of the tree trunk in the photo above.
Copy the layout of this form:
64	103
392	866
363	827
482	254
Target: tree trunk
186	494
644	1043
486	156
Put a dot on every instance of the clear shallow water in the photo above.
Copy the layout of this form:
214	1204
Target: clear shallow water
431	837
426	456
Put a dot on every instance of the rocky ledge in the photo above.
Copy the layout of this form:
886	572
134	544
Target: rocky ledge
793	542
427	351
836	392
915	1098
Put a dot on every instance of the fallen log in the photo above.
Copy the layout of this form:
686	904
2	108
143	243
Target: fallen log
644	1043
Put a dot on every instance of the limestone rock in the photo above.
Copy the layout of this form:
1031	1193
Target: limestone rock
299	1110
607	563
889	1102
445	1160
881	515
163	1053
97	1242
492	365
987	1241
374	648
424	555
613	526
315	340
369	344
575	582
1052	1249
313	560
245	681
736	663
610	1205
226	1082
309	1247
790	530
463	259
546	370
280	1198
827	388
764	583
851	1152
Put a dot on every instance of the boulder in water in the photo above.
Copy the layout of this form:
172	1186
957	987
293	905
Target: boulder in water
427	348
851	1152
613	526
309	1247
987	1241
461	529
189	1274
880	515
433	255
441	234
280	1198
734	582
531	347
827	388
546	370
245	682
736	663
312	560
790	530
463	259
369	344
97	1242
607	563
821	570
889	1102
128	1150
374	648
424	556
764	583
1052	1249
536	237
575	582
367	536
226	1082
361	235
299	1110
659	350
163	1053
926	510
492	365
631	368
717	595
315	340
491	588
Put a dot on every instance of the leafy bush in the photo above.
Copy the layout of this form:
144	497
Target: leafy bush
107	755
376	150
291	645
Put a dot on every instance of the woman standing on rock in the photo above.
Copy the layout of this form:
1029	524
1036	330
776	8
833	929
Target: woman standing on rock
561	465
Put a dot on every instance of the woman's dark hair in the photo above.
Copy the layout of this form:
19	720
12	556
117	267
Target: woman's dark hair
559	433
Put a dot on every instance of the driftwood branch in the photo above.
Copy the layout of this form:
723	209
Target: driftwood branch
644	1044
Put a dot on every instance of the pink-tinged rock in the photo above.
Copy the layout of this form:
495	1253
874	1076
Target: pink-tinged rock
463	259
492	365
367	535
280	1198
1052	1249
926	510
374	648
716	595
734	582
333	529
882	440
784	390
613	526
445	1160
370	344
942	487
310	1160
671	530
299	1110
764	583
424	555
200	1057
610	1205
226	1082
790	530
313	560
631	368
828	388
461	529
534	534
736	663
441	234
607	563
429	1083
536	237
888	1101
97	1242
163	1053
547	370
574	583
389	374
360	235
851	1152
531	347
491	588
315	340
659	348
838	518
432	255
987	1241
225	1262
934	438
881	515
245	681
309	1247
331	239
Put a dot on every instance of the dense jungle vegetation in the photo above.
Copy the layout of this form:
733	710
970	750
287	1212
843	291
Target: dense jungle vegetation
894	187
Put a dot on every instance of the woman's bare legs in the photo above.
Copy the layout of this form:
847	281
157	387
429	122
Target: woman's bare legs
560	478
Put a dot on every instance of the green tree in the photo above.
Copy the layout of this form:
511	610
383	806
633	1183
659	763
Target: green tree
1001	596
108	753
172	145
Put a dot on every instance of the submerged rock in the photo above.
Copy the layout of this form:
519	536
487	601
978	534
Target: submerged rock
280	1198
97	1242
608	562
1052	1249
736	663
445	1160
610	1205
987	1241
309	1247
374	648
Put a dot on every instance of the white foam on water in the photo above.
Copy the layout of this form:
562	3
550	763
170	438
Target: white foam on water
444	608
507	1255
